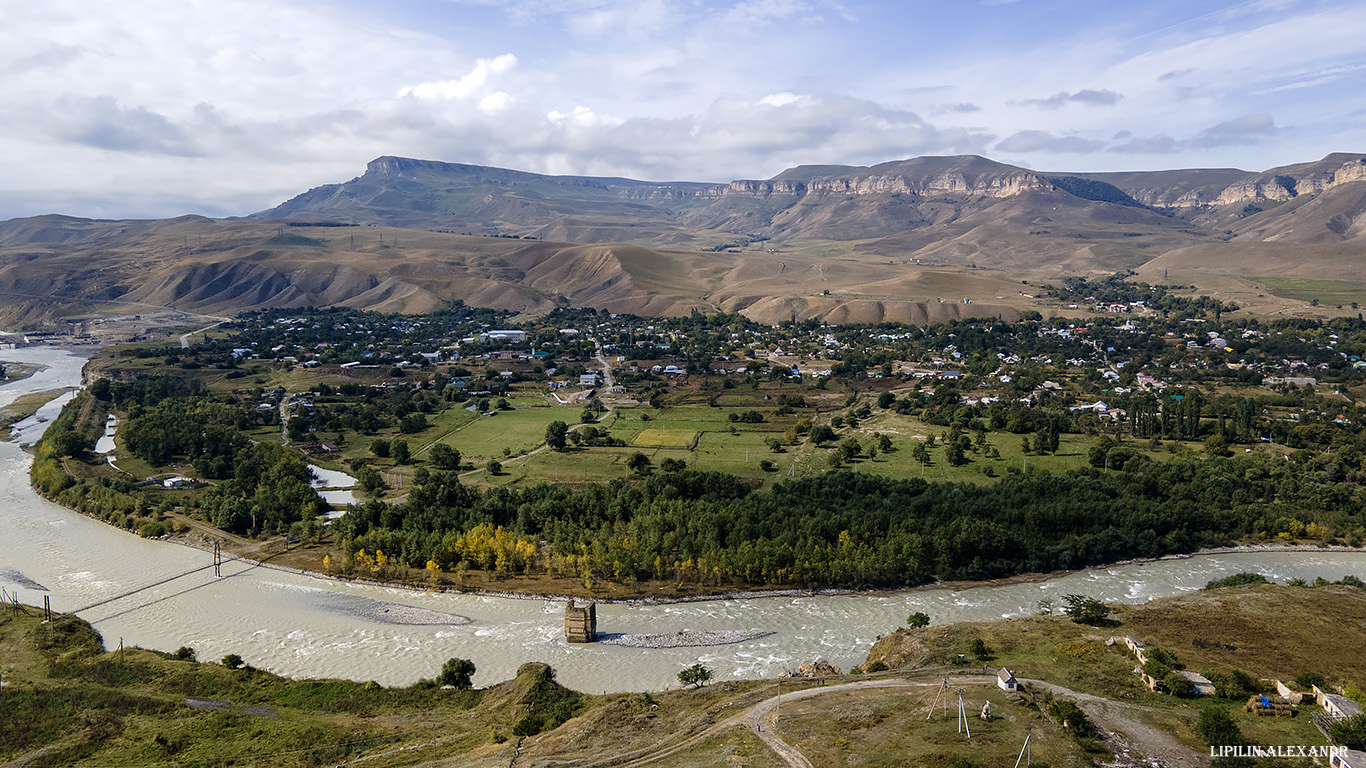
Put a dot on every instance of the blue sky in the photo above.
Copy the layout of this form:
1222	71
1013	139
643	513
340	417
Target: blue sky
224	107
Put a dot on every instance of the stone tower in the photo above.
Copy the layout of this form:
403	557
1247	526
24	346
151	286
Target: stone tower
580	622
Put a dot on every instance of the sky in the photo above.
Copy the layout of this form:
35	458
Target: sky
156	108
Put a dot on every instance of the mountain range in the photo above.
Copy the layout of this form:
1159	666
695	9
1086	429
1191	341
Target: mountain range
928	238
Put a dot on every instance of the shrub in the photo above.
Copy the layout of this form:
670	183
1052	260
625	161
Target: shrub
457	673
1237	580
232	661
1085	610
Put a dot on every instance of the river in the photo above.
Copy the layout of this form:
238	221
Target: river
306	626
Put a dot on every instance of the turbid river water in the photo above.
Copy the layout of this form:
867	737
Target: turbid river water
313	627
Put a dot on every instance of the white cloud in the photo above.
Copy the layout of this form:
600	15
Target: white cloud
464	86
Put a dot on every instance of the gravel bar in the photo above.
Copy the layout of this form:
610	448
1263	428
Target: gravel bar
686	638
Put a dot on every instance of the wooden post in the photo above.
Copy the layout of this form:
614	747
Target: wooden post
47	608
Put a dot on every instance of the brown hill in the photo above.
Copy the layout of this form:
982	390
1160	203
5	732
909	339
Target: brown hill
914	240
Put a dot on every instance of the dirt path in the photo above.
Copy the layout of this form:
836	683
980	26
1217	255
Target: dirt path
1122	731
185	337
765	714
1124	734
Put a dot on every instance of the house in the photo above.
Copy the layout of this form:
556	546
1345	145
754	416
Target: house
1337	707
1200	685
517	336
1006	681
1347	758
176	482
588	380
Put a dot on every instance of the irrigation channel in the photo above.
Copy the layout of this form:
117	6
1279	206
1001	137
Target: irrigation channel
308	626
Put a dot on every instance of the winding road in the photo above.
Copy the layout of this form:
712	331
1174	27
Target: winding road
1122	732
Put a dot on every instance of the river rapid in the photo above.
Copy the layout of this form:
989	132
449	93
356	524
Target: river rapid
306	626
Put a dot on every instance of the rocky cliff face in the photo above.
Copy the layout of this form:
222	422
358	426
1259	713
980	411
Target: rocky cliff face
1281	184
952	183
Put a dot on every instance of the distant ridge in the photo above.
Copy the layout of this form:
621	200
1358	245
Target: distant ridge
915	240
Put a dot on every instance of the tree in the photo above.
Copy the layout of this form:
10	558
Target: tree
555	433
885	400
401	452
921	453
445	457
1351	732
918	620
380	448
1085	610
638	463
673	465
822	434
1177	684
495	467
184	653
1217	728
586	416
232	661
696	676
457	673
1071	717
953	453
979	648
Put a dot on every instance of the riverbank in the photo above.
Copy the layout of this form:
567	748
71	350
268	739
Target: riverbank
204	543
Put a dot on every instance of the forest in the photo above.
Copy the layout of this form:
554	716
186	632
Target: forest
845	528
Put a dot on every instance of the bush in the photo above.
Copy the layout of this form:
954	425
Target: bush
232	661
184	653
1071	717
1085	610
1217	728
918	620
1237	580
1305	681
528	725
457	673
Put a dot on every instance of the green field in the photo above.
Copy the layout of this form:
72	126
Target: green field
517	431
1329	292
664	438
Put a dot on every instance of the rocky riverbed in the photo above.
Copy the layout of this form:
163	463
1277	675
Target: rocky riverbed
685	638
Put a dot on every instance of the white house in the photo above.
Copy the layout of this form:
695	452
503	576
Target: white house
1006	681
1200	685
176	482
504	335
1347	758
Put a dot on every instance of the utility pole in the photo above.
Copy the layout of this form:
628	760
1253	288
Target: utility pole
963	716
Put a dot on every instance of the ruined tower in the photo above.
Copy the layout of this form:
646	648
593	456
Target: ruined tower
581	622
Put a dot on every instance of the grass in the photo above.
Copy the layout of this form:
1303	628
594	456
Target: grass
517	431
1329	292
1264	630
67	701
23	407
889	727
664	438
